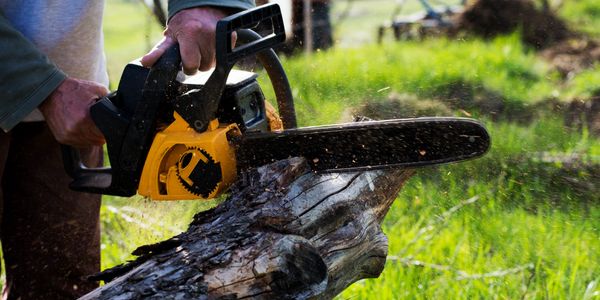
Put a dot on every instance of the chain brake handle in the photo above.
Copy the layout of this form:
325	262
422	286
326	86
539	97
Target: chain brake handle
209	95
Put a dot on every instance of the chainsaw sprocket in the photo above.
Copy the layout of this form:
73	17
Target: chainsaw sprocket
198	172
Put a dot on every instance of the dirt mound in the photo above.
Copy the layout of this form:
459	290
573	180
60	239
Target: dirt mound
584	113
573	55
488	18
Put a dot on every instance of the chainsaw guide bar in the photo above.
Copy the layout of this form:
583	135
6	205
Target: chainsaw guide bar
369	145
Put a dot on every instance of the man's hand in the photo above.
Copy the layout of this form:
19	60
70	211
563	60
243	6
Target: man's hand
67	112
194	30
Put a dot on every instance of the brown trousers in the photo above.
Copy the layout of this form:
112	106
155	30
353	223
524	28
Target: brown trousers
50	235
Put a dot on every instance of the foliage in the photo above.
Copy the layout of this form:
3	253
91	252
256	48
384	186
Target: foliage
583	15
585	84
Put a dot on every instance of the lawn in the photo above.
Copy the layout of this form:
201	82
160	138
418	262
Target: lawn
513	224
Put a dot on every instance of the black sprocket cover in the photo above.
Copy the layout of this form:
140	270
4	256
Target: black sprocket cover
205	176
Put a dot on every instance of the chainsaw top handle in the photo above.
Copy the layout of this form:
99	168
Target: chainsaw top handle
207	98
129	126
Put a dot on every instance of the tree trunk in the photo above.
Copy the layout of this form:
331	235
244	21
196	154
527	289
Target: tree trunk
284	232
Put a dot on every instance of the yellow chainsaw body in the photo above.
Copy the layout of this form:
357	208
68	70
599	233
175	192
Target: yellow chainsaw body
184	164
179	161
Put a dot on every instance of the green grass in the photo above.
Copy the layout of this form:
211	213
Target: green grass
327	83
555	254
584	15
585	84
534	230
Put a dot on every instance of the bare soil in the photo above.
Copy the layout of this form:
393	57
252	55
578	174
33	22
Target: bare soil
584	113
573	55
577	114
488	18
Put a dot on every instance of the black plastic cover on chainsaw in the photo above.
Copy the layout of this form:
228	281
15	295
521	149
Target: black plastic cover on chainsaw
130	123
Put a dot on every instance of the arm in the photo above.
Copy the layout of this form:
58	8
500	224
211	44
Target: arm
192	24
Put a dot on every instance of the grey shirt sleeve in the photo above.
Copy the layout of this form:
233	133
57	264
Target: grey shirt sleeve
177	5
27	77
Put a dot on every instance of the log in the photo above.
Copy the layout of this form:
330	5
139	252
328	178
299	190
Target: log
284	232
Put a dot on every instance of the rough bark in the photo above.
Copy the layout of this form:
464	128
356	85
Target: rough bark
284	232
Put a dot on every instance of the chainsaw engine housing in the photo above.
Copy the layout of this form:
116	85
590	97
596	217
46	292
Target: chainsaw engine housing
205	113
182	163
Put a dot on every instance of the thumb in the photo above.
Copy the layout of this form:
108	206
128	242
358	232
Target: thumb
151	57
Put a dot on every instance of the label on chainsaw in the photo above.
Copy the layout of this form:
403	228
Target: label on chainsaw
198	172
369	145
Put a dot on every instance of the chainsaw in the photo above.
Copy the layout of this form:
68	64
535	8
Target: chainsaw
175	137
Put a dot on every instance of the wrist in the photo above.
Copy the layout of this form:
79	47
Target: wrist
44	106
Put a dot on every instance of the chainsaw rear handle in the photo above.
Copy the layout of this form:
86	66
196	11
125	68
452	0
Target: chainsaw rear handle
129	139
126	132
